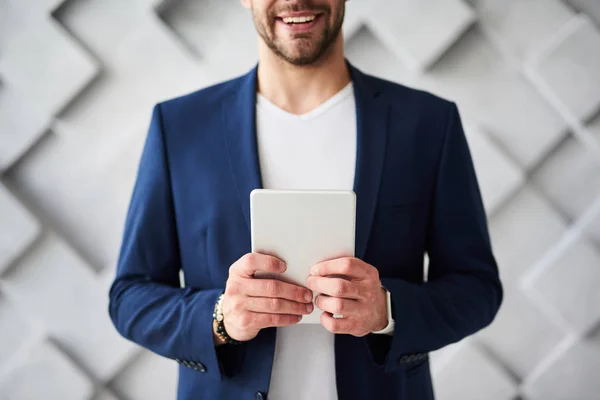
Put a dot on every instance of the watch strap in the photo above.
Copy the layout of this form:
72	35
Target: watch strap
390	326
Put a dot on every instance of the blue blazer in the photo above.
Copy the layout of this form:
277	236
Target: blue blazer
416	193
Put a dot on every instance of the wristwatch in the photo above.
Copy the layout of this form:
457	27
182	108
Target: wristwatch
390	326
219	325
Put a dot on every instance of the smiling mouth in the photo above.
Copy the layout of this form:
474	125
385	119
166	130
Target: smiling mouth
298	20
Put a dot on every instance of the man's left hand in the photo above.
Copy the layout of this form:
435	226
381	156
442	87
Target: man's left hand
350	287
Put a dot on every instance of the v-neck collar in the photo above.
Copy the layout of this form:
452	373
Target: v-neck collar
263	102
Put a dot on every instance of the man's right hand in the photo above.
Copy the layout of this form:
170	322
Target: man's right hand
251	304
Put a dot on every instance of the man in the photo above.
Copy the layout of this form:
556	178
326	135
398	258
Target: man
304	118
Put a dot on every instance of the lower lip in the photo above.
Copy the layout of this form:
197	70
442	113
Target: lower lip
298	28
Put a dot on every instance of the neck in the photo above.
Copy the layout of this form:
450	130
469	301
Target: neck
300	89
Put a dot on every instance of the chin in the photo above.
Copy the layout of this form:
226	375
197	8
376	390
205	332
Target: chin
301	59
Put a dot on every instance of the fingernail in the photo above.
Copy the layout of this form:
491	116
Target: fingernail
309	308
281	266
308	297
314	270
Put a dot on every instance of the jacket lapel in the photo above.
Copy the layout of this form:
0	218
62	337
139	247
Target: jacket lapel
372	113
239	118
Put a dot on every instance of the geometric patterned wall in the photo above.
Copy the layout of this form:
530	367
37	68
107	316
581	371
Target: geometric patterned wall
77	83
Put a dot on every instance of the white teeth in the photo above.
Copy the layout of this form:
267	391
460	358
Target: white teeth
298	20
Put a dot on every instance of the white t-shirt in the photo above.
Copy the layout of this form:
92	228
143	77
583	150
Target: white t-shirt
316	150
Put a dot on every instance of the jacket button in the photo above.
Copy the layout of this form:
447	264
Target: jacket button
260	396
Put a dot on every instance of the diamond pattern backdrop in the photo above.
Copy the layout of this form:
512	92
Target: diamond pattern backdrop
78	80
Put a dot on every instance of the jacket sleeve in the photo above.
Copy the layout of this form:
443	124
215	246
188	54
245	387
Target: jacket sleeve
463	292
146	301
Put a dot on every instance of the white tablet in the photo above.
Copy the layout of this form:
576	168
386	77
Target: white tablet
302	227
